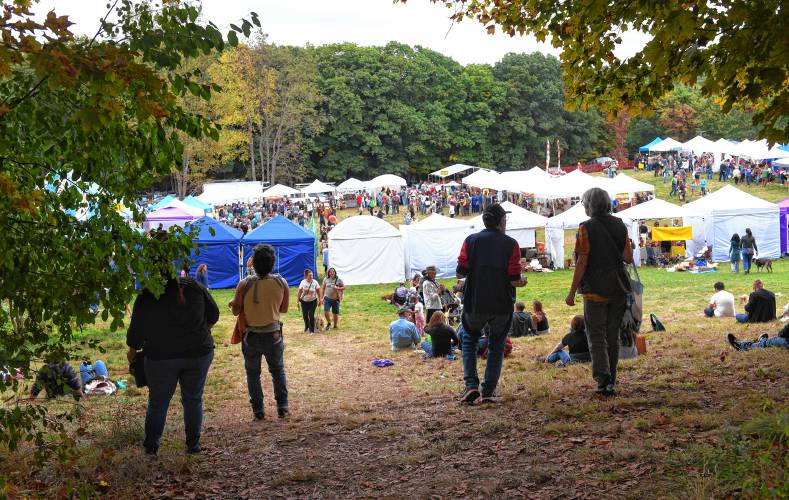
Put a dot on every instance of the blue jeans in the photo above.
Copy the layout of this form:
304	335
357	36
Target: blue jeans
558	356
498	326
747	258
331	304
88	372
428	348
761	344
741	318
255	347
709	312
163	375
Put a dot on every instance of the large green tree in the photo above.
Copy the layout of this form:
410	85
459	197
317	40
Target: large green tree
85	125
736	49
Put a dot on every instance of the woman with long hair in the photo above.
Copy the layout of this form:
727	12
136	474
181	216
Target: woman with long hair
309	295
539	318
441	337
332	292
201	275
749	249
734	253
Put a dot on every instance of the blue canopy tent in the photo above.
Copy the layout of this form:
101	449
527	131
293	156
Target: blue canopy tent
219	251
294	247
191	200
161	203
646	147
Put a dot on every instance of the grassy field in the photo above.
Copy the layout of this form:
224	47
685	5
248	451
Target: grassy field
694	419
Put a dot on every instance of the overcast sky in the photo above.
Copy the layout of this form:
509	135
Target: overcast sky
364	22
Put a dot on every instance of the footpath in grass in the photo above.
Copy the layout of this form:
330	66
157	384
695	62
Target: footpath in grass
693	418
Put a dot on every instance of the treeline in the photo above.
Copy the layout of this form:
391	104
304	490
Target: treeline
334	111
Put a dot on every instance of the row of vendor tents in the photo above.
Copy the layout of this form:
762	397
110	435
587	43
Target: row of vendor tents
367	250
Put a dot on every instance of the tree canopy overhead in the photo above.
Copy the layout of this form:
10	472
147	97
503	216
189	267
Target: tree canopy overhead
737	50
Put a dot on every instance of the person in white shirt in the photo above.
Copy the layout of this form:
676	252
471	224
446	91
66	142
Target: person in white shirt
309	296
721	303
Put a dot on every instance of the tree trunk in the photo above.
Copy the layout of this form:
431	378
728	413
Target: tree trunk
252	150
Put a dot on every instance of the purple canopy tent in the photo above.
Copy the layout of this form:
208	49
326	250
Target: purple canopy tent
167	217
783	210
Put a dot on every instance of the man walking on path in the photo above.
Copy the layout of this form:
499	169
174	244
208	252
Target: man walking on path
490	262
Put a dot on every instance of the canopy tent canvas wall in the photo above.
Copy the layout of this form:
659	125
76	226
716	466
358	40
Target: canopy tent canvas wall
554	232
783	208
521	224
222	193
366	250
219	251
434	241
651	143
720	214
166	218
293	245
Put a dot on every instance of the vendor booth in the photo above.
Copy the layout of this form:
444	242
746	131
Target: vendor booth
366	250
293	245
167	217
720	214
521	224
655	209
219	251
434	241
783	208
554	232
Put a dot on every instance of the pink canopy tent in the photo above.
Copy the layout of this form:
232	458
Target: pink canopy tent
167	217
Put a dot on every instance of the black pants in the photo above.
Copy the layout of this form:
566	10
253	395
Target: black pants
308	313
430	315
603	320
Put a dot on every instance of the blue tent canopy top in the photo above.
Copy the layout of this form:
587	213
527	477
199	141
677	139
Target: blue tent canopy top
191	200
294	247
646	147
161	203
219	251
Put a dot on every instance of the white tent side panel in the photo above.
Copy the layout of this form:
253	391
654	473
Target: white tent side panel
436	247
554	242
765	226
525	237
367	261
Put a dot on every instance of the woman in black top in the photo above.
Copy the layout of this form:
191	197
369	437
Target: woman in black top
749	248
174	331
576	343
441	335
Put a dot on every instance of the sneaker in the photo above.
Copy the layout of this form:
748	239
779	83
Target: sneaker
733	342
491	399
194	450
327	327
283	413
763	336
470	395
260	416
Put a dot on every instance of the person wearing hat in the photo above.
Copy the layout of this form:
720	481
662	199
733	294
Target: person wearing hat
430	293
490	263
402	333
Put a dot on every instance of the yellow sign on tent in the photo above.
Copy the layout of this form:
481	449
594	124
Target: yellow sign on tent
672	233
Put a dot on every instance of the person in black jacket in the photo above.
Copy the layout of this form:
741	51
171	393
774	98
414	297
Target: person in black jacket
174	331
601	247
442	337
760	307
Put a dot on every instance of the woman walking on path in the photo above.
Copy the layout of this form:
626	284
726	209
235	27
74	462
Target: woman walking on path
309	295
734	253
332	293
749	248
602	245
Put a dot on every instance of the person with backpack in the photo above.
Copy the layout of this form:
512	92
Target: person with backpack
262	299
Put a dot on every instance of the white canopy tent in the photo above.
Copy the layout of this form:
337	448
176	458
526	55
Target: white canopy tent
450	184
783	162
220	193
386	180
351	185
554	232
720	214
316	187
700	145
654	209
521	224
484	179
366	250
623	183
667	144
452	170
525	181
723	146
434	241
190	209
572	185
279	191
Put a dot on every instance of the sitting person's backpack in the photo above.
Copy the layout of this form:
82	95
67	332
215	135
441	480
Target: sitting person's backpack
657	326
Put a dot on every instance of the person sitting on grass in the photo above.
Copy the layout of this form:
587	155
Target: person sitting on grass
521	322
402	333
721	303
764	340
539	318
54	379
399	295
576	343
760	306
442	337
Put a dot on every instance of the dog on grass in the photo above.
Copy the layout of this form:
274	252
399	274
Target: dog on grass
767	264
318	322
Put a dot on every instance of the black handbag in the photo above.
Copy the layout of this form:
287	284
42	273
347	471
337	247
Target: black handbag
137	369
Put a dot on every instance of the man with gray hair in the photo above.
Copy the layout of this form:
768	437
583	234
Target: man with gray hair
601	247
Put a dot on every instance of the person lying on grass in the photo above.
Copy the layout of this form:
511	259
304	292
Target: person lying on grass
576	343
764	340
441	338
